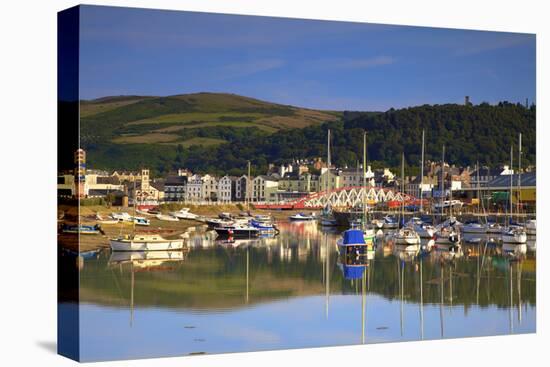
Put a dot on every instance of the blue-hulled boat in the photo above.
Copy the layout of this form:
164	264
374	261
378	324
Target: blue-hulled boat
352	242
264	224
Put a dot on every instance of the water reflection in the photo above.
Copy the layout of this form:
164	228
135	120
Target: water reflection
294	290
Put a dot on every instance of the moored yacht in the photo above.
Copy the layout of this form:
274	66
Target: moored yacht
474	227
516	235
184	213
237	230
145	242
424	230
531	227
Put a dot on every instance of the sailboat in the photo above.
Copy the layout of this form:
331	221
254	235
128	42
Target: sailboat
513	234
143	242
406	236
369	231
447	236
327	218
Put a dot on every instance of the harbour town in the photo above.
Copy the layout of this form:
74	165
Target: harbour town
233	183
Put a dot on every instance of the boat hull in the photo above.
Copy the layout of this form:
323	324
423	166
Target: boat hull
130	245
515	238
237	232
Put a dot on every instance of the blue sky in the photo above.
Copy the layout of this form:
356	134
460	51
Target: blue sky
316	64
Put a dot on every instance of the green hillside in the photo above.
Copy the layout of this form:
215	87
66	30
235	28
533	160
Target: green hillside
219	133
181	119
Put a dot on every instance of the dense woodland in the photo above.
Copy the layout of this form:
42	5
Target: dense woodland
481	133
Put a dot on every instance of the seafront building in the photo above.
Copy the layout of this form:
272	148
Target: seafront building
287	182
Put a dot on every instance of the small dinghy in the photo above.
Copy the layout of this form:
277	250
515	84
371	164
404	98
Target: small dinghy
301	217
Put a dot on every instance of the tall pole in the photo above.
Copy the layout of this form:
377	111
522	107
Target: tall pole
364	178
248	188
247	271
327	276
511	180
478	192
442	181
519	176
421	303
403	187
422	175
363	304
328	161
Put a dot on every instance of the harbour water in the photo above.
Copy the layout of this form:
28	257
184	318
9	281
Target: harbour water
293	291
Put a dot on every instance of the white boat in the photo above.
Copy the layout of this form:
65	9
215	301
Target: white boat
390	222
145	257
122	217
141	221
216	222
143	212
447	235
531	227
102	220
447	204
424	230
301	216
514	250
184	213
493	227
168	218
474	227
515	235
406	236
378	223
145	242
450	222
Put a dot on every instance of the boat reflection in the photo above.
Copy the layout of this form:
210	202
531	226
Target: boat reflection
143	260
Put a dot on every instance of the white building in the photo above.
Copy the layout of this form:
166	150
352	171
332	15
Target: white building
329	180
209	188
264	188
194	188
354	177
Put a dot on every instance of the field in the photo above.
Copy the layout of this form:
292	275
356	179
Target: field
134	119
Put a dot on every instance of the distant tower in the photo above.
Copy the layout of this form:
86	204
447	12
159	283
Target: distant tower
80	173
467	101
144	180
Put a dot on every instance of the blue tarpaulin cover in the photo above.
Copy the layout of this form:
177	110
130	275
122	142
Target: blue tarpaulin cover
353	236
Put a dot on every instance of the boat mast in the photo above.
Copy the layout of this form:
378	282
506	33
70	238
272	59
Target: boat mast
519	177
328	161
364	178
511	180
248	188
442	182
478	191
134	218
422	174
403	187
421	303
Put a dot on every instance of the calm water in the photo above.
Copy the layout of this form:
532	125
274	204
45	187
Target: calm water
292	291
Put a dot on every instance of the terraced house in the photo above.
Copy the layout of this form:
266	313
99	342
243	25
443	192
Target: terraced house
227	189
264	188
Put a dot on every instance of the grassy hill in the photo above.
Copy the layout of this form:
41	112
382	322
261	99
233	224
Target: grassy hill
181	119
219	133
